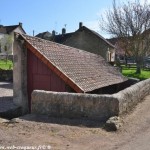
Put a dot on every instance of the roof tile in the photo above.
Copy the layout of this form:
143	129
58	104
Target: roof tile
88	71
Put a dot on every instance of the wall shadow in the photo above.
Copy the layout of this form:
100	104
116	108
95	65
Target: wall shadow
64	121
6	85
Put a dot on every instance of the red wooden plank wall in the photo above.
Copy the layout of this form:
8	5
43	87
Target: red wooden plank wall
40	77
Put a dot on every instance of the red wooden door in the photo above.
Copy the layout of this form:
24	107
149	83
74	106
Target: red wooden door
40	77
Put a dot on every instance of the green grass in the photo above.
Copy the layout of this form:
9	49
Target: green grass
6	65
131	72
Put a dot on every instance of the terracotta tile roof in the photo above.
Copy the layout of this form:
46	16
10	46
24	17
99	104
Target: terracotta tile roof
85	71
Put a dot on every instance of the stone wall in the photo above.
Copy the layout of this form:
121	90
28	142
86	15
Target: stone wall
91	106
20	97
95	107
131	96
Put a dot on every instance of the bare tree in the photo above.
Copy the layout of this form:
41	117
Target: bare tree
130	24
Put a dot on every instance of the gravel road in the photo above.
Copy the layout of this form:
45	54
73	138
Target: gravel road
6	89
65	134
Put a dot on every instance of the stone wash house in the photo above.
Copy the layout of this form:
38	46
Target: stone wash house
6	37
46	65
86	39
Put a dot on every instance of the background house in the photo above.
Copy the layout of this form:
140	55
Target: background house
126	55
7	38
44	35
45	65
88	40
120	53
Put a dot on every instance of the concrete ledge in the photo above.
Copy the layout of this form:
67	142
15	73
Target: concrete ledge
95	107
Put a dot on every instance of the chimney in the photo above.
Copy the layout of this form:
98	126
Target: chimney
80	24
33	32
53	33
20	24
63	31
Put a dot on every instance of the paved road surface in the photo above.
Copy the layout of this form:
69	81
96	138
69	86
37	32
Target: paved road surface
6	96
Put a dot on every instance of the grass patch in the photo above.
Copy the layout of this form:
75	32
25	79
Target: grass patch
131	72
7	65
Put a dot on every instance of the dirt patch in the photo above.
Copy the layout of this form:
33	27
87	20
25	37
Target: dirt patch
73	134
62	134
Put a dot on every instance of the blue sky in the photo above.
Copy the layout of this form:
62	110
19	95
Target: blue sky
48	15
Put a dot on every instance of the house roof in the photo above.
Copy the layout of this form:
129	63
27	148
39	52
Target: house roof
61	38
113	40
44	35
96	34
2	29
9	29
81	70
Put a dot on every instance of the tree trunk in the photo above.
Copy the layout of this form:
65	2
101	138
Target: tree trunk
138	69
126	61
138	63
6	58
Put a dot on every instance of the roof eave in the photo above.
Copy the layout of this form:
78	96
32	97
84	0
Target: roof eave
115	83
